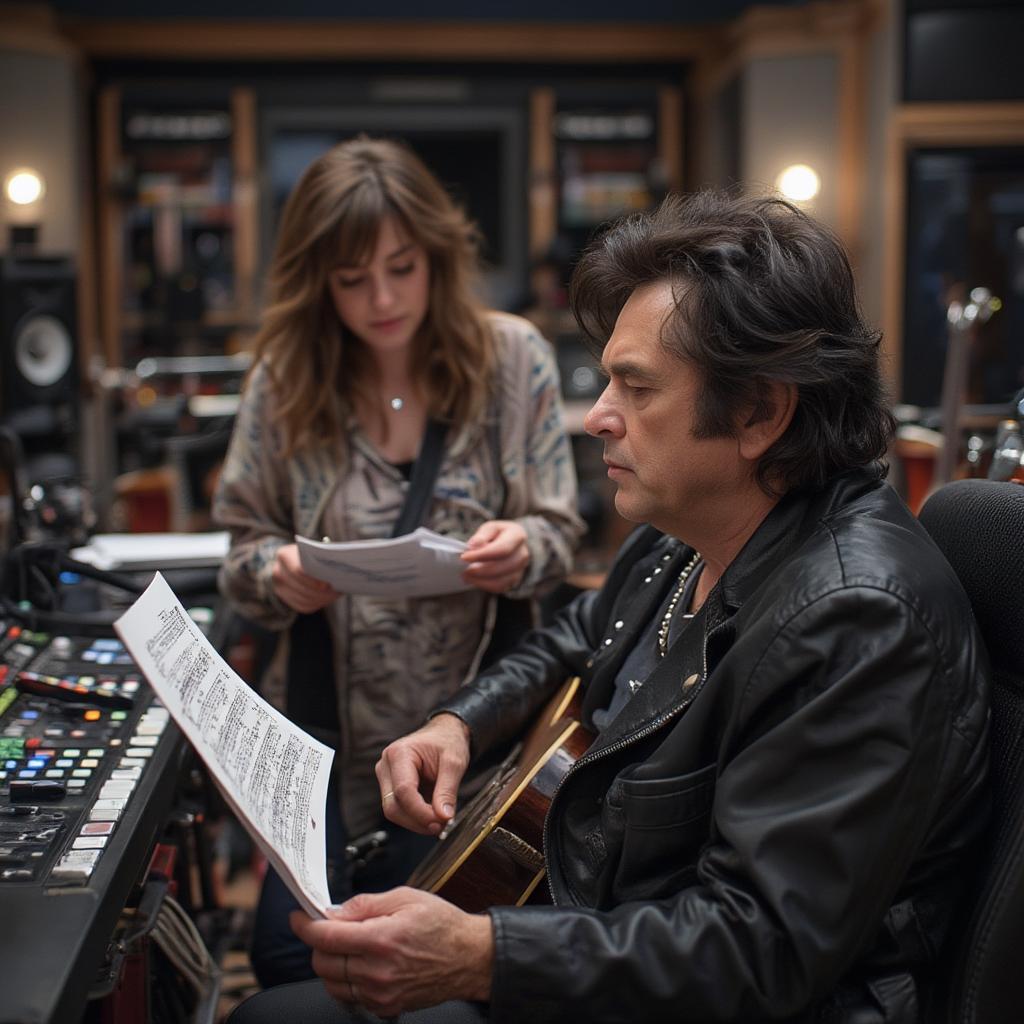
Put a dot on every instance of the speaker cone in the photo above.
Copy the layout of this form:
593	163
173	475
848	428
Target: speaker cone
43	350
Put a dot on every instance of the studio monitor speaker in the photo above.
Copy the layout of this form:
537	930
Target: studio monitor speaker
39	365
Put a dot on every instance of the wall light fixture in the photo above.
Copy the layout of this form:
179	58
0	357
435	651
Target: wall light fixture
799	183
24	186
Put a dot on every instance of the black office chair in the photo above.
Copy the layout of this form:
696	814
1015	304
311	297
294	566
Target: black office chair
979	525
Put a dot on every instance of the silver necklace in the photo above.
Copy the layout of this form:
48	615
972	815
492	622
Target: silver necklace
666	620
397	403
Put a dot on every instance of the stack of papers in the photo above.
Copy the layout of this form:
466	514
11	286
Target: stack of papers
420	564
110	551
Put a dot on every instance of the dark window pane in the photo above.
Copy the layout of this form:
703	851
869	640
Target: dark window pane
965	229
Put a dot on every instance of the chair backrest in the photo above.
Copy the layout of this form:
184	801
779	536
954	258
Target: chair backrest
979	525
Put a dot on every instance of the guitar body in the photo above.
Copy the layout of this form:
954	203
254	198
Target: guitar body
492	852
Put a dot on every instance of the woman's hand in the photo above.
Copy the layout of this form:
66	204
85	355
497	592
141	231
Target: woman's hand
296	588
497	555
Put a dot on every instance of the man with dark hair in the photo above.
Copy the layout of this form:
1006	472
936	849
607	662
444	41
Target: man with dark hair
789	694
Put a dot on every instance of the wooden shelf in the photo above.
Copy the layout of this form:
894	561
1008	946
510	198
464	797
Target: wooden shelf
173	212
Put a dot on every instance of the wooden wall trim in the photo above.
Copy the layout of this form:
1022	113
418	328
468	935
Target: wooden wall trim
840	28
960	123
814	20
670	135
87	249
382	40
543	197
108	150
763	32
244	200
851	164
32	28
893	263
915	125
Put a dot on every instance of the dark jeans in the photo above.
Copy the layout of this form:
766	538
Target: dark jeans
278	956
309	1003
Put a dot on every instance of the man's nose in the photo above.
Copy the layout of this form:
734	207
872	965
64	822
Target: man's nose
602	417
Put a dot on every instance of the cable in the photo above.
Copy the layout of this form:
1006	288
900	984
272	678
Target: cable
181	943
178	939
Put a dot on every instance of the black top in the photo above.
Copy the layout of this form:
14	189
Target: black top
643	658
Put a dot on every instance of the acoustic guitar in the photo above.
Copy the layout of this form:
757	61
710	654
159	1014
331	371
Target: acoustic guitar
491	853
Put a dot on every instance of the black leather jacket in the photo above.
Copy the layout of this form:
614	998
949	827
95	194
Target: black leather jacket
772	827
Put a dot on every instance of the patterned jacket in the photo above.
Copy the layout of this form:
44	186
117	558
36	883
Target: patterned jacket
395	658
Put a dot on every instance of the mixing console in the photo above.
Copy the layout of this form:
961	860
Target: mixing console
68	766
88	765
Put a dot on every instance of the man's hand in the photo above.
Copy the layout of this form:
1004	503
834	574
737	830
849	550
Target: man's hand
400	950
497	555
439	754
295	587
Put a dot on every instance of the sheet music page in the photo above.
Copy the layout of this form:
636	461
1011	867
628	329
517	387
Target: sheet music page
272	773
420	564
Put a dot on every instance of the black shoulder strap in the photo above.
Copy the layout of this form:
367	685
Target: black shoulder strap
421	483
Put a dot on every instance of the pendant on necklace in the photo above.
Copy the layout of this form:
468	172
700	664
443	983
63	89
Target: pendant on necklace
397	403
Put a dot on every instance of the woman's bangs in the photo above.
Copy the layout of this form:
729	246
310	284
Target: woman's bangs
364	210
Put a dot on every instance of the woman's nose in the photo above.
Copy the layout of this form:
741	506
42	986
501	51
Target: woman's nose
383	293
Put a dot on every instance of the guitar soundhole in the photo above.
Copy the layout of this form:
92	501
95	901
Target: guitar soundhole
520	850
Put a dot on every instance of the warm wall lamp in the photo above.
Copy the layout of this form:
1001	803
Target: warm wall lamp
799	183
24	186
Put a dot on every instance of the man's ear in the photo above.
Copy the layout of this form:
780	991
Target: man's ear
769	419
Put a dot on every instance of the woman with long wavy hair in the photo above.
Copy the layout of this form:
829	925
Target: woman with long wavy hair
372	330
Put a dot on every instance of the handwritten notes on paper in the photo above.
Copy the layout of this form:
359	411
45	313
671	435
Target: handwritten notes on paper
420	564
272	773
